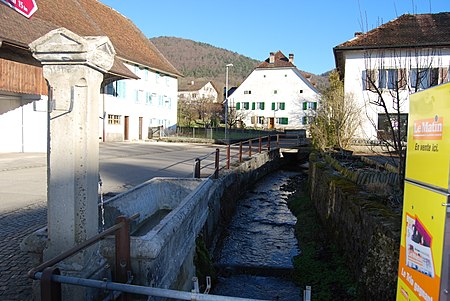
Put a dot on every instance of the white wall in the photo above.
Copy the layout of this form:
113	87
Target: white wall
291	88
23	125
356	62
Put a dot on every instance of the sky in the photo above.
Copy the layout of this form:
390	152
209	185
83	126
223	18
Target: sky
254	28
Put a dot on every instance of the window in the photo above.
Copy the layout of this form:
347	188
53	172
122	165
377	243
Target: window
369	80
113	119
260	119
260	105
275	91
422	78
282	120
253	106
247	92
245	105
238	106
278	106
388	78
309	105
307	120
384	130
301	91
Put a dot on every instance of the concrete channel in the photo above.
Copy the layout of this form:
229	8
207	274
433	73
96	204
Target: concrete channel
173	213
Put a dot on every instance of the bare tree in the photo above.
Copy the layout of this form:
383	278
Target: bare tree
186	112
236	117
337	117
390	77
198	111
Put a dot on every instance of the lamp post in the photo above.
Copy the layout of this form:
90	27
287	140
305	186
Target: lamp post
226	100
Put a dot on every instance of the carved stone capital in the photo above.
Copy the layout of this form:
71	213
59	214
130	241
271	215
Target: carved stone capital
64	47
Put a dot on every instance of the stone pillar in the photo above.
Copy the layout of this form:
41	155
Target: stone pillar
74	68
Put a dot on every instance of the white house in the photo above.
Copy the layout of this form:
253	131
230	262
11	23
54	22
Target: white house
197	89
275	95
133	107
144	80
400	57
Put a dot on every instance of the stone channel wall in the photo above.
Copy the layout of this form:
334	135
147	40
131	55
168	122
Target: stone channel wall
365	230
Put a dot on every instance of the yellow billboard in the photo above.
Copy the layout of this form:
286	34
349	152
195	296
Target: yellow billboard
428	158
426	196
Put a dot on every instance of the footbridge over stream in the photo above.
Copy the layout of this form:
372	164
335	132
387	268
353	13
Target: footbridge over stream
169	214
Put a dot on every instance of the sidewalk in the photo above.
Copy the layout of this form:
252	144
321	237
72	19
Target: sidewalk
27	171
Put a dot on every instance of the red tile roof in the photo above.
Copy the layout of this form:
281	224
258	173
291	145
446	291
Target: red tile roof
280	61
407	30
85	18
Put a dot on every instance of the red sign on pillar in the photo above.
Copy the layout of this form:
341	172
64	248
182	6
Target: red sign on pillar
24	7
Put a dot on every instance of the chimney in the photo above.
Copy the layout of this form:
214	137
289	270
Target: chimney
291	58
358	33
272	58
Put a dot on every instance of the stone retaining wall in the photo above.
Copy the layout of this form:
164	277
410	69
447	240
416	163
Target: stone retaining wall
366	230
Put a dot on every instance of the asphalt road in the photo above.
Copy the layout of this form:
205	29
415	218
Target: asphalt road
23	176
23	190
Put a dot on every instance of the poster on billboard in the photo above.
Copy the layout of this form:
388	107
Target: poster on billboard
422	243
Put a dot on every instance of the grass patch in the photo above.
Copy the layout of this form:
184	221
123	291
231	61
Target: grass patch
320	264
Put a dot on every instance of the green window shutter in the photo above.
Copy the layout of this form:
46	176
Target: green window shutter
262	106
304	120
282	106
305	105
238	106
253	105
315	105
273	106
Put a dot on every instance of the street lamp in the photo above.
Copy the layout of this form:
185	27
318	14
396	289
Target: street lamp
226	100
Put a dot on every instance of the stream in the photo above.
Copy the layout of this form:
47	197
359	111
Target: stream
256	257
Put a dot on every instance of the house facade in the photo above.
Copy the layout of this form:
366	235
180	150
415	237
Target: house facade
139	68
197	89
275	95
389	63
135	108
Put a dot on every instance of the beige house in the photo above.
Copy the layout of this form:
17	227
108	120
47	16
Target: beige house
197	89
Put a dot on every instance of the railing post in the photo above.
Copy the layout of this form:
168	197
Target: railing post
197	168
278	140
228	156
216	172
123	261
268	143
250	148
240	151
259	145
50	291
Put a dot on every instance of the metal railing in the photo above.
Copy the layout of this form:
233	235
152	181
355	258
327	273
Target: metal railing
51	279
45	271
240	151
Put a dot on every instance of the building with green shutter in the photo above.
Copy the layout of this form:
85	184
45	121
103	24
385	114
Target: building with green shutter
275	96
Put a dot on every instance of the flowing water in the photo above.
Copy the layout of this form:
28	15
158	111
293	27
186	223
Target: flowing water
256	258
